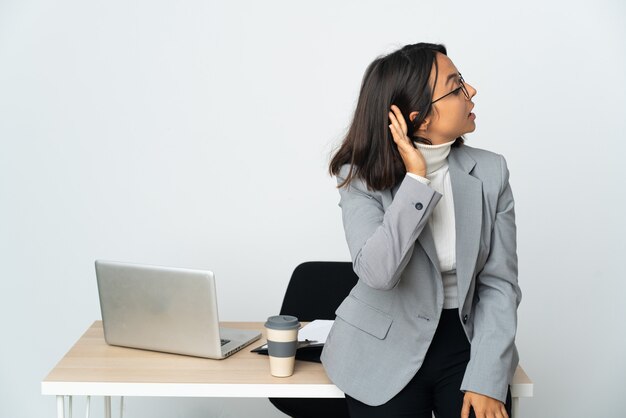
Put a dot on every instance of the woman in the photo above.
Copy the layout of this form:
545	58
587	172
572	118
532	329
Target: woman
430	224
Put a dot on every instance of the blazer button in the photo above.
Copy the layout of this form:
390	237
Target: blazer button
465	318
419	206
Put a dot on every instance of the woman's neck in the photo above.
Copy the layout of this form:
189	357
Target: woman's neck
435	155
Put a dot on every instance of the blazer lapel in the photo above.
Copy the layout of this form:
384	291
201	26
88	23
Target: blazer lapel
468	210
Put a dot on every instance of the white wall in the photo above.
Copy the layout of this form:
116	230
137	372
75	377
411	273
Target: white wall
197	134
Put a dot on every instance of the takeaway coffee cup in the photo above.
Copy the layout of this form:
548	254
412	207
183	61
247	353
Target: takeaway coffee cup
282	341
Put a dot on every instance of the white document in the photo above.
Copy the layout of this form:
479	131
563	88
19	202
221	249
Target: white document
316	332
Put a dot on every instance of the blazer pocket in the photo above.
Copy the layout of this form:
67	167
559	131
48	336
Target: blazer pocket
365	317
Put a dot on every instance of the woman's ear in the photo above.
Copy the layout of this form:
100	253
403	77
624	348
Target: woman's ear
423	126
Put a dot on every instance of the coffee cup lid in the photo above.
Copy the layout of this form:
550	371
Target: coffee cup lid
282	322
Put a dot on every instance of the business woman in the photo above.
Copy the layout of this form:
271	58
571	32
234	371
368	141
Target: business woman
430	224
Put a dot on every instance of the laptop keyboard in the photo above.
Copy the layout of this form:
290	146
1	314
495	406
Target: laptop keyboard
224	342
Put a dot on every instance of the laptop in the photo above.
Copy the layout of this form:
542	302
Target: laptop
166	309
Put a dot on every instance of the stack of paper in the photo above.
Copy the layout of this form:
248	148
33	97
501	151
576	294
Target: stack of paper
315	332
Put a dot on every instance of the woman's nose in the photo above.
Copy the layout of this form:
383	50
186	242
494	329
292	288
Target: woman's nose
472	91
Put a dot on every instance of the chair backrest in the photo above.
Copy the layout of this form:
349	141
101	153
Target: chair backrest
317	288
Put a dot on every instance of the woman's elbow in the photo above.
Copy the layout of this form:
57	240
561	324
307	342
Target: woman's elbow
374	277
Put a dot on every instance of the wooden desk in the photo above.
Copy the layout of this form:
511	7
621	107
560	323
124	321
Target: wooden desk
94	368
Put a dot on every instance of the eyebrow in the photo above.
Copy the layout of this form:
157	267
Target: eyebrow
450	77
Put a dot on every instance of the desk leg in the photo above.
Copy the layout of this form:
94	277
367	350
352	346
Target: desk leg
515	407
88	405
107	407
60	406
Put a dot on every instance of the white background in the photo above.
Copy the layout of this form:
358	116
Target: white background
197	134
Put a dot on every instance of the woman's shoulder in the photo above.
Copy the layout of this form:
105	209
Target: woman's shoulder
482	155
490	167
356	183
487	162
344	171
355	180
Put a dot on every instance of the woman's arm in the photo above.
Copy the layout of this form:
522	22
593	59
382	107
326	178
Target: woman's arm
493	356
381	242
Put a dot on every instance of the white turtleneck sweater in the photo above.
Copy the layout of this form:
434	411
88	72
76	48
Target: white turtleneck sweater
442	221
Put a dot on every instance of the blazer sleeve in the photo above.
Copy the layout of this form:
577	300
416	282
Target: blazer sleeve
493	357
381	241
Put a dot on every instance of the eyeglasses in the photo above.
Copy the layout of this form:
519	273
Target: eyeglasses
456	91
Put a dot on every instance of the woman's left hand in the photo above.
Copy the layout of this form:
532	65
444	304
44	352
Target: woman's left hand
484	406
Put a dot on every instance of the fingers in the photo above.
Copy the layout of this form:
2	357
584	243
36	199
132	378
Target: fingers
465	411
411	157
397	120
398	129
401	140
503	411
399	117
398	136
481	412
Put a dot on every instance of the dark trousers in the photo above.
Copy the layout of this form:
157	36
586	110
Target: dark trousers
436	385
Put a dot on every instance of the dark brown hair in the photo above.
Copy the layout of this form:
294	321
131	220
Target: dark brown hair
399	78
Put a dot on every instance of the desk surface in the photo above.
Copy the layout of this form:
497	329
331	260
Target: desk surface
92	367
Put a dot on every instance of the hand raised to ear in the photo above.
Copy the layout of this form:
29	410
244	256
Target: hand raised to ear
411	156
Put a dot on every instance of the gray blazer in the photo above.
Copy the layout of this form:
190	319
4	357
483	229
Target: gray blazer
386	324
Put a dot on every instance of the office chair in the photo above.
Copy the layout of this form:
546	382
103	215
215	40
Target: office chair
315	291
